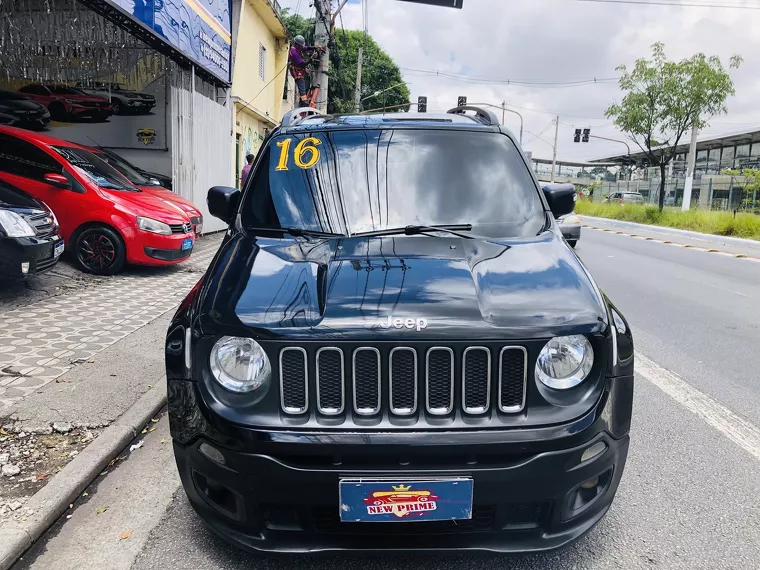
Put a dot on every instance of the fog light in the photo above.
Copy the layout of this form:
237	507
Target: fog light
591	483
593	451
212	453
25	267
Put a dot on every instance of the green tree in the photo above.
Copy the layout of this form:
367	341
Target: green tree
379	71
664	99
748	189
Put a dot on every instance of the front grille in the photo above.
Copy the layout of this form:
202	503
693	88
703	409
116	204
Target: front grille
44	264
440	381
377	380
513	365
330	381
366	381
476	379
181	228
42	224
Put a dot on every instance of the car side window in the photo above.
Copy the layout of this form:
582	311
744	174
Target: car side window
24	159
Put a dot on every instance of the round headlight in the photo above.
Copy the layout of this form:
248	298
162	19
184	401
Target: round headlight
239	364
565	362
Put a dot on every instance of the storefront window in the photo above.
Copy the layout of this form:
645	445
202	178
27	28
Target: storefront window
727	158
713	161
701	165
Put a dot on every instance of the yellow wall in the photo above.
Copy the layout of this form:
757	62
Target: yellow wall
258	103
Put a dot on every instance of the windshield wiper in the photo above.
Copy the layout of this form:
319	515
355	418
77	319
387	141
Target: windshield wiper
417	230
298	232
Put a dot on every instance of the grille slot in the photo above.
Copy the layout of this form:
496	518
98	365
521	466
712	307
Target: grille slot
366	372
476	380
439	364
294	387
41	223
513	376
402	374
330	381
181	228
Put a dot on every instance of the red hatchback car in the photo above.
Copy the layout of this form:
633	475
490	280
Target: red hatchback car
105	220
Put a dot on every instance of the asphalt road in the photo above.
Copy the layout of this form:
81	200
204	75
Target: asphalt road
690	496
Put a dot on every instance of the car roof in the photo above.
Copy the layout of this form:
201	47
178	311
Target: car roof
32	136
462	118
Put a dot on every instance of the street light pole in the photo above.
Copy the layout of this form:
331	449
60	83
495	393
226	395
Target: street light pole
556	141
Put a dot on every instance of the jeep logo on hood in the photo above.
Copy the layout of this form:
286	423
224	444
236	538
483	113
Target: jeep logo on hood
400	323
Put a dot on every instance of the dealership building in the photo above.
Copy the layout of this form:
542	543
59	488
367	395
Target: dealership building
165	67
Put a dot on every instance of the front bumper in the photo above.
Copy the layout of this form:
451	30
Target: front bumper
82	111
278	491
38	252
146	248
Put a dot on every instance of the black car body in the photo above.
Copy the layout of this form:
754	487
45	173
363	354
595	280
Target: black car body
150	178
19	111
400	364
29	240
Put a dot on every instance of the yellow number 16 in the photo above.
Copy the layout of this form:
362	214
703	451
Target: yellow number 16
306	153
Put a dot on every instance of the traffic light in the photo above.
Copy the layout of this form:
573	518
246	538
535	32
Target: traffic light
577	137
586	134
422	104
461	101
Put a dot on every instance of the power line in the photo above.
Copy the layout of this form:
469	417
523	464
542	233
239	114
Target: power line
689	4
517	82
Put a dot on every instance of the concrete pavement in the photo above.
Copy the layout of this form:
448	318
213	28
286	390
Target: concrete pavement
688	500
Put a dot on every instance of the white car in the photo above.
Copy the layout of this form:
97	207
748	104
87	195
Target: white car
123	101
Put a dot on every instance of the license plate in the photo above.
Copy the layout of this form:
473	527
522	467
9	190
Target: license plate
58	249
187	244
405	501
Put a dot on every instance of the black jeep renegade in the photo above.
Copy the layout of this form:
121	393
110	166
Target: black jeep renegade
395	349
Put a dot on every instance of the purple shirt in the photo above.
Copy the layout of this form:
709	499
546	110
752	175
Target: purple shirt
244	174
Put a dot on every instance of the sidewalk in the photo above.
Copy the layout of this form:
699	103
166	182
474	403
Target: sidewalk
72	364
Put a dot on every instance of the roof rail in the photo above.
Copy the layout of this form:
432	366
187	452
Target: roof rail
295	116
482	115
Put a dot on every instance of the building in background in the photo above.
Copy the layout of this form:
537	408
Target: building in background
261	93
147	80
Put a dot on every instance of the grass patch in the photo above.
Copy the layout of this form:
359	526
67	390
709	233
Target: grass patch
717	223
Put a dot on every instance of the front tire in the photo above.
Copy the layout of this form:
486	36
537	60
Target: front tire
100	250
116	106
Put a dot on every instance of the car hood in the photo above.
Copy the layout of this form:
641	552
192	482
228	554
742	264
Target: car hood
21	202
19	105
164	194
148	205
347	289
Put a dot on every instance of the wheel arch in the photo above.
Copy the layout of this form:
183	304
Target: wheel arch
95	224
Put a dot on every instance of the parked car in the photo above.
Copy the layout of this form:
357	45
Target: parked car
625	198
393	310
153	178
123	101
149	186
16	110
105	219
29	240
66	102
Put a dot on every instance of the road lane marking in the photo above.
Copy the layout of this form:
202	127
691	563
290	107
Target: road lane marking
676	244
743	433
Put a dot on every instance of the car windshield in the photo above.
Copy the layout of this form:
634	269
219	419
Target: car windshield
100	172
367	180
63	90
124	167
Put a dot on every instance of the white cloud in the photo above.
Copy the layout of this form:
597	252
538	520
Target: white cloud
556	40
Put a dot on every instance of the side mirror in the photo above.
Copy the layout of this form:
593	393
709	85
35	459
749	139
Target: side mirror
57	180
223	202
561	198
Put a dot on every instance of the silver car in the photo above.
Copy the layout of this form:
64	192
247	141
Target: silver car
570	226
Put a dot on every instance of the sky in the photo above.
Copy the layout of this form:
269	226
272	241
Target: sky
555	41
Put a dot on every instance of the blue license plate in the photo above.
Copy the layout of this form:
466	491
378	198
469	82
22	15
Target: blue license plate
58	249
405	501
187	244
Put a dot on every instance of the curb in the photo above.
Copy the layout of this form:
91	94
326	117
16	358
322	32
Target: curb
50	502
687	233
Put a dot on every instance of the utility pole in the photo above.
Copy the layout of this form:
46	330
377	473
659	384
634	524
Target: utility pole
358	91
322	34
692	160
556	141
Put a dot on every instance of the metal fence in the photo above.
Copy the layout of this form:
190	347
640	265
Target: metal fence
721	192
